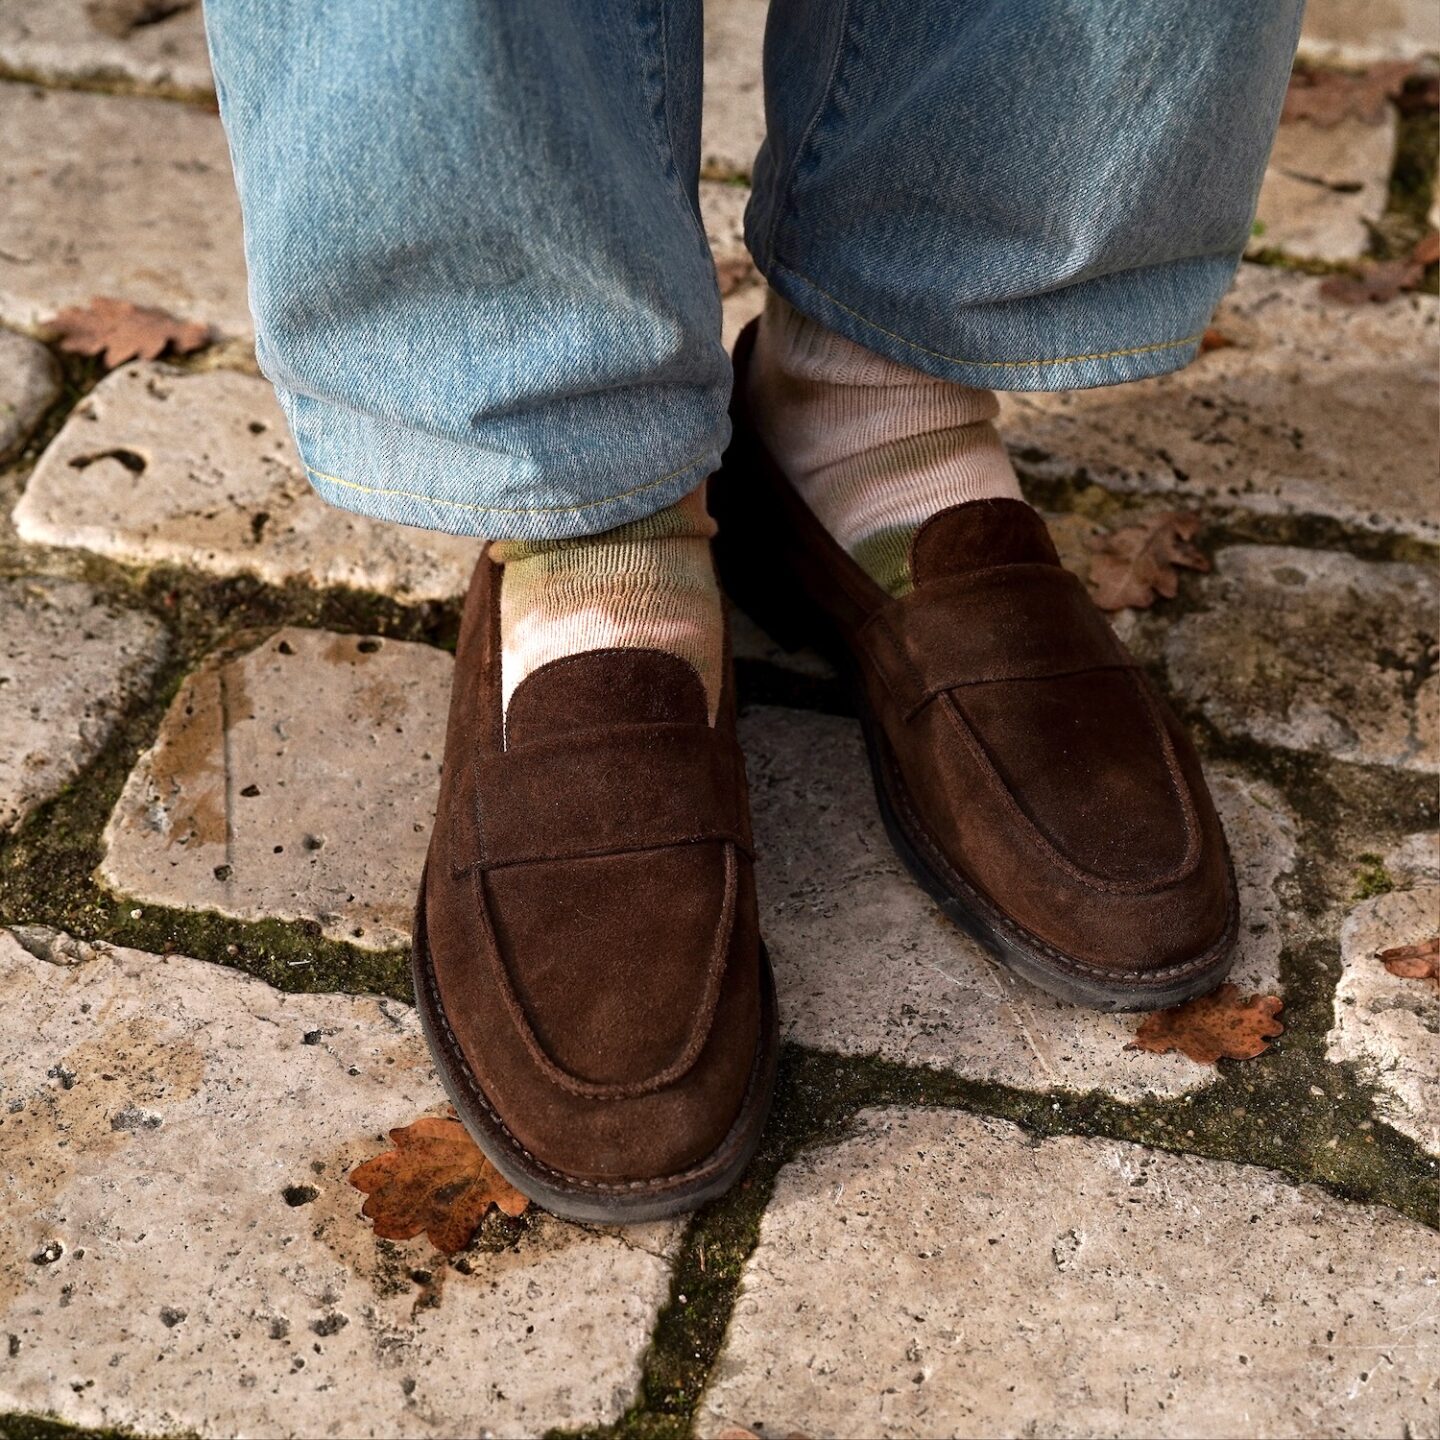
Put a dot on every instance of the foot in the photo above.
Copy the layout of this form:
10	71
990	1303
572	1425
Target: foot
1029	775
587	961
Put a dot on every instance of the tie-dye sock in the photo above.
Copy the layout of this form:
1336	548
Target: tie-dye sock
874	447
646	585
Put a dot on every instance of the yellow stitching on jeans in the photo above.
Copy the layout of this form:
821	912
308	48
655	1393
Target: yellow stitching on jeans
990	364
498	509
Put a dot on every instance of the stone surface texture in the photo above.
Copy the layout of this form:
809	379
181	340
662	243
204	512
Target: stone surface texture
296	781
734	117
159	1109
944	1274
198	469
29	385
1285	420
1323	183
111	195
865	964
1389	1026
1341	30
108	42
1315	651
69	663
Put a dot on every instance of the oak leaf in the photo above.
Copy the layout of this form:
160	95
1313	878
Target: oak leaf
1221	1025
1326	97
1414	962
1135	565
118	331
435	1179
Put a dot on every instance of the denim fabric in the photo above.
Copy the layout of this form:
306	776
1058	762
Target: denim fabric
481	285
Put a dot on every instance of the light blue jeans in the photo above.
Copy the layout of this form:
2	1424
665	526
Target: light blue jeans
480	282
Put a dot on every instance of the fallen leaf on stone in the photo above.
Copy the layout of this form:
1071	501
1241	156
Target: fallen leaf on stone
435	1180
1414	962
1326	97
1381	280
118	331
1134	566
1221	1025
1214	339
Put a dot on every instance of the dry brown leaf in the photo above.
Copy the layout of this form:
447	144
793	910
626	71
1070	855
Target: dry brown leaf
1214	339
1221	1025
1414	962
1133	566
119	331
435	1180
1382	280
1326	97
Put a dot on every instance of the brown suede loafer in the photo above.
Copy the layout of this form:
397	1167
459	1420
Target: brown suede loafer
587	959
1029	775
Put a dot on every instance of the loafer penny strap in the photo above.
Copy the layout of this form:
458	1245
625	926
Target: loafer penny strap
1012	622
608	791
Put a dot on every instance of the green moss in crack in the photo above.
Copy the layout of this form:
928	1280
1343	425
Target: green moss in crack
103	80
47	866
15	1426
1372	878
1411	190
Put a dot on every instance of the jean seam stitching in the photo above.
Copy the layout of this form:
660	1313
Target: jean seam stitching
503	509
988	364
782	190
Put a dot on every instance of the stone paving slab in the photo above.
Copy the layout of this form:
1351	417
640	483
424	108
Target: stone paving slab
108	41
109	195
158	1277
734	116
1342	31
1323	183
162	465
943	1274
70	662
297	781
1316	651
866	964
1387	1025
1286	420
29	385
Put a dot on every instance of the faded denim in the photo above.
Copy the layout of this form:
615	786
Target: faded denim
481	285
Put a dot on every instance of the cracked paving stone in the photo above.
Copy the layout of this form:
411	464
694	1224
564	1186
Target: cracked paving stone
29	385
1282	421
945	1274
118	196
1324	187
158	1277
1387	1025
160	465
1315	651
105	41
866	964
70	662
1344	32
296	782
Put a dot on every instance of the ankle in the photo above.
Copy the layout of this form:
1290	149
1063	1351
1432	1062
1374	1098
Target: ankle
646	585
873	447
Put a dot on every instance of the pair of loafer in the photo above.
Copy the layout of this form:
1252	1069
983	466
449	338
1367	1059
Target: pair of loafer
588	963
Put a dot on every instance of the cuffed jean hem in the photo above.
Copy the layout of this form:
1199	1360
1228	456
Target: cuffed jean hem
387	471
1150	322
